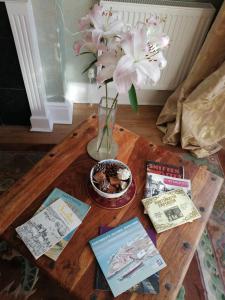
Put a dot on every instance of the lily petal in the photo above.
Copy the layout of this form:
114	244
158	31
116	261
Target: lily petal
77	47
105	73
84	22
123	74
149	70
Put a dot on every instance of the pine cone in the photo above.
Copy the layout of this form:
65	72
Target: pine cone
100	168
103	186
111	170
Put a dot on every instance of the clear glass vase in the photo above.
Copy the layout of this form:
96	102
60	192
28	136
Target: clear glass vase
103	146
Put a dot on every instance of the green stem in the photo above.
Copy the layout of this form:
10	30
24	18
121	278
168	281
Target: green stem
106	96
106	127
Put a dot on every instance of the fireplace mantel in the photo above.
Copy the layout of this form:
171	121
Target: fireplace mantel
44	114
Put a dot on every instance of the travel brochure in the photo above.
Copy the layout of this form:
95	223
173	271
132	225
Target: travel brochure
126	255
78	207
48	227
148	286
157	184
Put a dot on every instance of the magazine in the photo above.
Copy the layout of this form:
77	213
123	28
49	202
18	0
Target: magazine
157	184
170	209
148	286
161	168
78	207
126	255
164	169
48	227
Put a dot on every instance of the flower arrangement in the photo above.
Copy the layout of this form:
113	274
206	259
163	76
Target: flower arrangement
130	57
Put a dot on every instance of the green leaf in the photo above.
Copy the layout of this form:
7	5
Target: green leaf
133	98
89	66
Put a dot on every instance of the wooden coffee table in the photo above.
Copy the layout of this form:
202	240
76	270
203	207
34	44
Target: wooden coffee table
67	167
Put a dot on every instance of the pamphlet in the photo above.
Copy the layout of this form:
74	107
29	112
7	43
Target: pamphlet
48	227
78	207
157	184
148	286
170	209
126	255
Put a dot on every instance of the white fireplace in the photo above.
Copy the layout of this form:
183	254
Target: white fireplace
46	109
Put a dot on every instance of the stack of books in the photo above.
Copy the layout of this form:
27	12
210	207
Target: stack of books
168	197
51	228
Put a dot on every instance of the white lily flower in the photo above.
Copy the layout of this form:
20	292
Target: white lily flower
142	62
105	24
107	63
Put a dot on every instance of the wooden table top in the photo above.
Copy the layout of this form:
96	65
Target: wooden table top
67	167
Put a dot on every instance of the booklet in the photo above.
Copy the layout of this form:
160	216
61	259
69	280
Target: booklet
48	227
170	209
158	184
78	207
161	169
148	286
126	255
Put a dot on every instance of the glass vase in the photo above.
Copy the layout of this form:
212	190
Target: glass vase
103	146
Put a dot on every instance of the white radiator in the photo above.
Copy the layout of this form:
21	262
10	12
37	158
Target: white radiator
186	24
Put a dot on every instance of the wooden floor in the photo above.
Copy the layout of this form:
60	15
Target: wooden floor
142	122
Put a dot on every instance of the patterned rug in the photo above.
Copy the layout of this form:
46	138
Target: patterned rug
19	280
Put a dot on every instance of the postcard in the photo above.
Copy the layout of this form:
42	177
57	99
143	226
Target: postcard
48	227
126	255
170	209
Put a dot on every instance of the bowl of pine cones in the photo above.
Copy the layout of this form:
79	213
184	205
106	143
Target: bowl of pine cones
110	178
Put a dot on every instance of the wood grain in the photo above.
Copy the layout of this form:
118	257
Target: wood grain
67	167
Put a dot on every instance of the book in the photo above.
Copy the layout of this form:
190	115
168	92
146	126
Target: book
78	207
48	227
148	286
161	168
158	184
126	255
170	209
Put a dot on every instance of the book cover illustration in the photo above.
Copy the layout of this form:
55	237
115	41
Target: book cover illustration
126	256
170	209
157	184
48	227
78	207
161	169
148	286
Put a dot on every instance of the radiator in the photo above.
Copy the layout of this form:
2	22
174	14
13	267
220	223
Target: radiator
186	24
